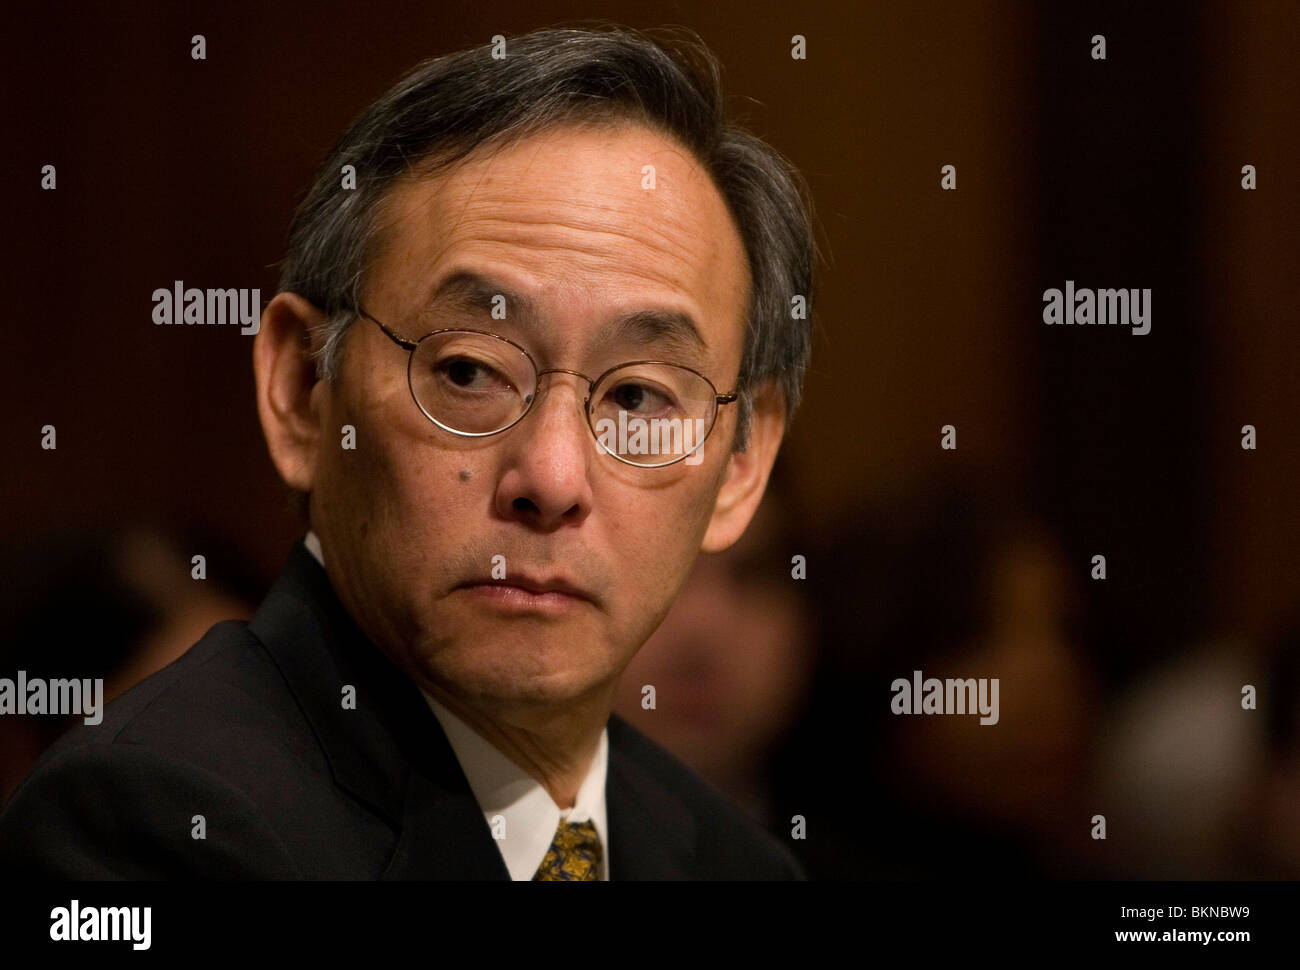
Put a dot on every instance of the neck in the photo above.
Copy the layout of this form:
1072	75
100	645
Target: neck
555	747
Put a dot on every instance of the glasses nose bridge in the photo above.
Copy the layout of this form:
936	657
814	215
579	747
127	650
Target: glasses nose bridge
562	370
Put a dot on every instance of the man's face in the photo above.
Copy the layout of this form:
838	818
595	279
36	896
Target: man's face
411	520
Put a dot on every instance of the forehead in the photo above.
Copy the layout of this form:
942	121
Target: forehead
579	223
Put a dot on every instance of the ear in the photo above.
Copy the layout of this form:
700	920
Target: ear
290	401
747	471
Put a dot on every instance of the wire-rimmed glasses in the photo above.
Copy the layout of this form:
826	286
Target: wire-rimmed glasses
472	383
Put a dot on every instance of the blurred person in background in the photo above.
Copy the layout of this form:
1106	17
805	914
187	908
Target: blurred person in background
1179	766
956	581
117	604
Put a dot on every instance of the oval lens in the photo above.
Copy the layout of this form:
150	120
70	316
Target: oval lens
471	383
652	414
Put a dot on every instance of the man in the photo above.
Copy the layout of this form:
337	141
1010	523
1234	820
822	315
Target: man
527	285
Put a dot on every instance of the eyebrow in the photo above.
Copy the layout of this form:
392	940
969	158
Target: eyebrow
467	291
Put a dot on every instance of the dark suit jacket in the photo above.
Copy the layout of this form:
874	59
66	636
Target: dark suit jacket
247	729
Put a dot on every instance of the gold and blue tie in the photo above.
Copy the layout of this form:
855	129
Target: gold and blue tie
574	855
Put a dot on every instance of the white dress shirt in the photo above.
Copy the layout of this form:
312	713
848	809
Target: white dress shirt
520	812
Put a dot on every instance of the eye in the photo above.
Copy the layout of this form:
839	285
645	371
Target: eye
641	397
469	373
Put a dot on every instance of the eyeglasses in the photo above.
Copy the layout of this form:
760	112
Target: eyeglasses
648	413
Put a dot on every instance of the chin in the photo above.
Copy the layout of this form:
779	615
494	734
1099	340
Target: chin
519	666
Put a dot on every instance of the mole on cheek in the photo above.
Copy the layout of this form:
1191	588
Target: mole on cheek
464	476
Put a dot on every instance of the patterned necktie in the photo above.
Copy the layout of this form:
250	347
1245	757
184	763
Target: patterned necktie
574	855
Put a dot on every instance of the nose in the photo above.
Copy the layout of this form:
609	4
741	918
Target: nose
545	484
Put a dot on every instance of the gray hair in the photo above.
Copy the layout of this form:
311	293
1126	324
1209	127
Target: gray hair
446	107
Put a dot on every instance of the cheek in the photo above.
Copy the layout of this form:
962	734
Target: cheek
393	496
359	476
397	466
654	541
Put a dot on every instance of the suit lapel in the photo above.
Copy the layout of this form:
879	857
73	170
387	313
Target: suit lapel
652	833
444	834
390	752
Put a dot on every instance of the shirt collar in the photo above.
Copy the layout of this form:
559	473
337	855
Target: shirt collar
528	815
312	542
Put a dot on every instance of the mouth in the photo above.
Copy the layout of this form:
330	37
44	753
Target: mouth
528	594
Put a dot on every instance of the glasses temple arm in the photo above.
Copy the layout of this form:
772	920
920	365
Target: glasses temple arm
397	338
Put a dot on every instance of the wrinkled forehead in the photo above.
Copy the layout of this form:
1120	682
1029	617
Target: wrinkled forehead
580	234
